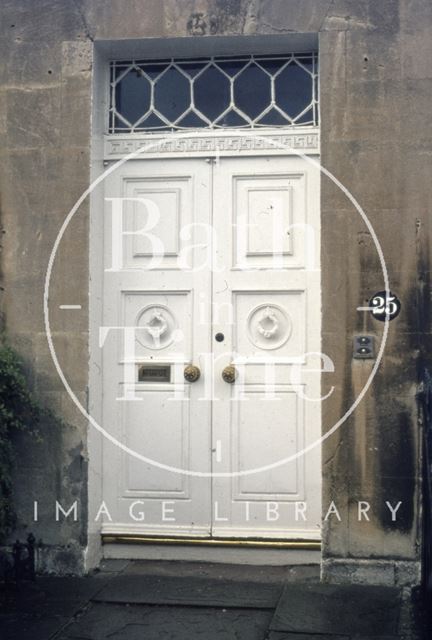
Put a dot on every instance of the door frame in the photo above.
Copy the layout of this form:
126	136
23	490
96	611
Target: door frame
107	149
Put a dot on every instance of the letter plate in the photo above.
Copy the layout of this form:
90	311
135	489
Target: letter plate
154	373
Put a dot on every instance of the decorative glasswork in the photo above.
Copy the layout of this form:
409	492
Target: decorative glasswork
238	92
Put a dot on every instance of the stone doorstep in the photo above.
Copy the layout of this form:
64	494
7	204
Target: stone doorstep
189	591
202	584
280	574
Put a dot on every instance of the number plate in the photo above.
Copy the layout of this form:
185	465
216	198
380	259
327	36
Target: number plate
385	306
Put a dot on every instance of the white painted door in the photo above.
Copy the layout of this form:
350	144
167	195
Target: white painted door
245	294
157	286
266	302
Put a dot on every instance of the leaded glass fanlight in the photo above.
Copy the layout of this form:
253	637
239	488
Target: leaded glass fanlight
218	92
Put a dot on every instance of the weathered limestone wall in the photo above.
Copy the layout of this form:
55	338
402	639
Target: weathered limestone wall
376	88
45	107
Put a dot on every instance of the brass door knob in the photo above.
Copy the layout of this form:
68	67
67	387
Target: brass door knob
229	374
191	373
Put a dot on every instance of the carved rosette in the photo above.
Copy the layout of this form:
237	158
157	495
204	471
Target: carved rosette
157	327
269	326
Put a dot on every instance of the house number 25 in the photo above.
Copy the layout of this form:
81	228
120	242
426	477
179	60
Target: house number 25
382	305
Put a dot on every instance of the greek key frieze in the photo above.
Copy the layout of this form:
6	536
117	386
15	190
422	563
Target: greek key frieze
119	147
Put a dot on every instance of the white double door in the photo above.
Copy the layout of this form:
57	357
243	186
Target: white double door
212	264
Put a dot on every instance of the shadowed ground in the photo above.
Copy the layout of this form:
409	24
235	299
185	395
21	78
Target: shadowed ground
182	601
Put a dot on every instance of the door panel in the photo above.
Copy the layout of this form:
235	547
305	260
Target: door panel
263	417
256	443
167	422
169	195
158	292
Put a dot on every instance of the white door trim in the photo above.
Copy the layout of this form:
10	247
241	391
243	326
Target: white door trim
238	143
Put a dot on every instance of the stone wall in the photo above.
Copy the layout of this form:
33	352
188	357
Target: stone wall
376	90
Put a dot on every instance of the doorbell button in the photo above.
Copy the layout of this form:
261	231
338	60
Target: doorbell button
364	347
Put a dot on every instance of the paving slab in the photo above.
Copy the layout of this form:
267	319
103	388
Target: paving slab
112	565
282	635
36	610
120	622
30	627
398	637
338	610
303	574
51	595
190	591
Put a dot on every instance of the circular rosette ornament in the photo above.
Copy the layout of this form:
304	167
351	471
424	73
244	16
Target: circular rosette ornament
269	326
156	326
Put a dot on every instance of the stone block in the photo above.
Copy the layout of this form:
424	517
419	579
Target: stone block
344	15
72	354
364	111
416	52
371	572
214	17
373	56
31	65
76	111
77	59
351	15
279	16
45	21
416	117
369	169
33	118
415	15
332	63
110	21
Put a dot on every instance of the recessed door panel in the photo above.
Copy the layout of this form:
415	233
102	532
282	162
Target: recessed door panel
162	321
269	323
268	215
258	442
149	422
155	212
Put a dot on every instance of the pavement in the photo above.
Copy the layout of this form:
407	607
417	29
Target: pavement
146	600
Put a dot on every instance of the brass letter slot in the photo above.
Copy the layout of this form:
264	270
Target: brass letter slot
154	373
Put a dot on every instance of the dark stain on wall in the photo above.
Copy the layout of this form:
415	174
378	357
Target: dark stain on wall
397	468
